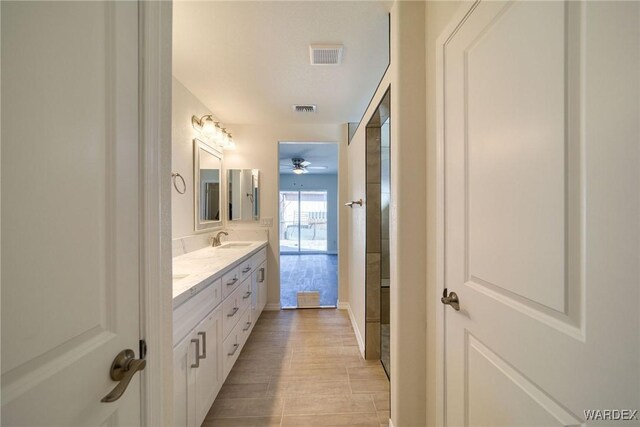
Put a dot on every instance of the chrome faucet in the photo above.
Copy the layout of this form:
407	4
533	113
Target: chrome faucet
215	240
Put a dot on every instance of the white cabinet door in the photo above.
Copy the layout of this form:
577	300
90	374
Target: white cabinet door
209	373
184	361
70	211
262	287
541	213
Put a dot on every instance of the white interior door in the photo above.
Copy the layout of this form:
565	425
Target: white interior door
70	211
542	213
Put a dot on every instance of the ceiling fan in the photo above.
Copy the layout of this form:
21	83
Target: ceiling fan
301	166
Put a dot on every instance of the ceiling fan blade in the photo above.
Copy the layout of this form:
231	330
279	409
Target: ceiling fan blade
305	170
317	167
305	163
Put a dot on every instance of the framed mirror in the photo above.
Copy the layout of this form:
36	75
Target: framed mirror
207	187
243	194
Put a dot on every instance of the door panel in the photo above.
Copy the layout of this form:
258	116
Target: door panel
537	124
70	250
313	221
209	374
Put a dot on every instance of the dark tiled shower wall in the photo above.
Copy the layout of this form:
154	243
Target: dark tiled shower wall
373	244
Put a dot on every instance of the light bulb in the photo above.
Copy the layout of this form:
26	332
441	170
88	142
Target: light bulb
208	127
224	138
230	145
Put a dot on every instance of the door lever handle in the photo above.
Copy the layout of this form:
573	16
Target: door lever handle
123	368
451	299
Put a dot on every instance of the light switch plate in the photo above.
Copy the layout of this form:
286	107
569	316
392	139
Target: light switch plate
266	222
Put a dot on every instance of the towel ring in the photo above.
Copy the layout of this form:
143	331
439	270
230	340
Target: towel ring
175	184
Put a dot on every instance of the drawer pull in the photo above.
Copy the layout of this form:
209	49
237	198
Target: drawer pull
233	313
261	275
204	345
233	282
235	348
197	343
246	270
247	328
247	295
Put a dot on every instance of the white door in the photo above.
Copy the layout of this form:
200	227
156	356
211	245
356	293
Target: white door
541	107
70	211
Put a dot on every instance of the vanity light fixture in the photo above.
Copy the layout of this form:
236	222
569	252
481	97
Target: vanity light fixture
212	131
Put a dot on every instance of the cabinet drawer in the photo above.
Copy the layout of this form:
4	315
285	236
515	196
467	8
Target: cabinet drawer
246	324
245	268
189	314
235	341
259	258
234	306
230	282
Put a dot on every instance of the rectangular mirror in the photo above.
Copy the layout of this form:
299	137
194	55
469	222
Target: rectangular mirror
207	186
243	194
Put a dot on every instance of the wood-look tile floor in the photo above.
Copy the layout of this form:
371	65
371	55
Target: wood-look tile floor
302	368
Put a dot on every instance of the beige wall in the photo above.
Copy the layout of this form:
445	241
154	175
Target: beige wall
407	221
184	105
257	148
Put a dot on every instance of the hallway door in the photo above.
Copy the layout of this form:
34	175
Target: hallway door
542	214
71	208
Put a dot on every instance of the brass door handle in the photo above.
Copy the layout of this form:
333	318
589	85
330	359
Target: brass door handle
247	295
451	299
232	282
261	275
123	368
246	270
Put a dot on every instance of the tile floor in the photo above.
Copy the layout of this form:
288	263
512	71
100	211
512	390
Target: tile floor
312	272
302	368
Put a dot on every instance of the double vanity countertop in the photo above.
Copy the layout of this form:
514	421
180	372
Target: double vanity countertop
194	270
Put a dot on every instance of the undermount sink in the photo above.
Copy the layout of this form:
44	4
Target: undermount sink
234	245
179	276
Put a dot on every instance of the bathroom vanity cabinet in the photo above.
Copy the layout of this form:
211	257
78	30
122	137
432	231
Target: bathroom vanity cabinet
215	309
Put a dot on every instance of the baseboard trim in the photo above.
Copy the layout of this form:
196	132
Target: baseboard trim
272	307
352	317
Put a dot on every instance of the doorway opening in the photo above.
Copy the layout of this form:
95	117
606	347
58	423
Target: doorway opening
308	226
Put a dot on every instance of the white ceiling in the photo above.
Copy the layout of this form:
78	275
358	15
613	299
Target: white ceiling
249	61
317	153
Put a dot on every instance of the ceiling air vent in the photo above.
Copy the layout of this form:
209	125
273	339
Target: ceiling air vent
325	54
307	108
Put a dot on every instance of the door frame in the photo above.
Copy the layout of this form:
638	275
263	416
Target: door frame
156	313
459	17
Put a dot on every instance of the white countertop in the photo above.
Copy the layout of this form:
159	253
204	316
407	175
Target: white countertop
198	267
